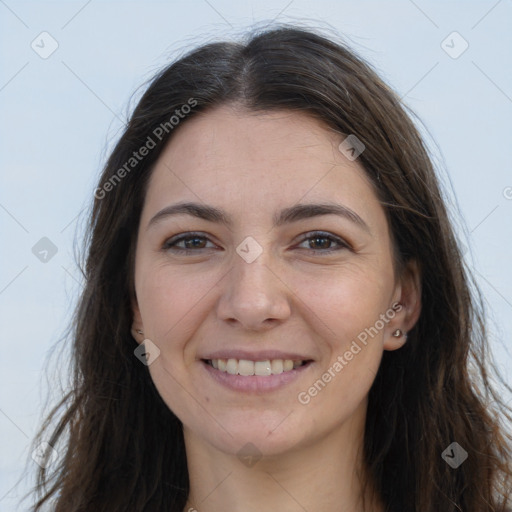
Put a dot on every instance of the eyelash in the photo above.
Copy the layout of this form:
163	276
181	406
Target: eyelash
170	245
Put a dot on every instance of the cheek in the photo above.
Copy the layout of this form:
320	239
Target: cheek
347	321
347	301
172	301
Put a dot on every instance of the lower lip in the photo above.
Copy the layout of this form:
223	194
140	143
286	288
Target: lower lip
255	383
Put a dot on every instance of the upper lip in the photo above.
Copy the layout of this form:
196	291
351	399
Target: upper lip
260	355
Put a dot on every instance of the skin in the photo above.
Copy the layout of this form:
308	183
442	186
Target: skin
291	298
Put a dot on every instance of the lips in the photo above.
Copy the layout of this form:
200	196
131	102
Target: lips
260	363
256	371
254	383
247	367
256	355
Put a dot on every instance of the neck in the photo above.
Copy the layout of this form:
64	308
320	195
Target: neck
322	476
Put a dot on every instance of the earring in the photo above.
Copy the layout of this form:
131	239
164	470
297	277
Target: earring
398	333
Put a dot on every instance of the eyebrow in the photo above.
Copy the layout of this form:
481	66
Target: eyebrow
285	216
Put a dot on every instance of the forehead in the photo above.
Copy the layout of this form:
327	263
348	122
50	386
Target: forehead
256	161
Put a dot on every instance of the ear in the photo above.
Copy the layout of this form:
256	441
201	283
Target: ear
408	296
137	325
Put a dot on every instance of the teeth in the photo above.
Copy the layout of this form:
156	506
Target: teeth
248	368
232	366
277	366
262	368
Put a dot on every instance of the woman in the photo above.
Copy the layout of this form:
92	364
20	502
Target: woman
277	315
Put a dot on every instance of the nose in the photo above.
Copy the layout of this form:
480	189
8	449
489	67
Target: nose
254	295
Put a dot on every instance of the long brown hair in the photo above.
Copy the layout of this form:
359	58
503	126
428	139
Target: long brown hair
121	447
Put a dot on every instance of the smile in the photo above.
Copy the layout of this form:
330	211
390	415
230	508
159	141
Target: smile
247	376
247	368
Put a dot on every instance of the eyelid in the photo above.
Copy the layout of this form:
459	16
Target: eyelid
167	245
342	243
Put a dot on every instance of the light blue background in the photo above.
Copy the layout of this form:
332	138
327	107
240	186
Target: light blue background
60	116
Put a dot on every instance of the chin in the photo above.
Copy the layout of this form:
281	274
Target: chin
270	433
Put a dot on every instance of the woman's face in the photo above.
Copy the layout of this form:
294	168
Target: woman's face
264	277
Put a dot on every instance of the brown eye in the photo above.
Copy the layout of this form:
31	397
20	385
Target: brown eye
320	242
191	242
323	242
